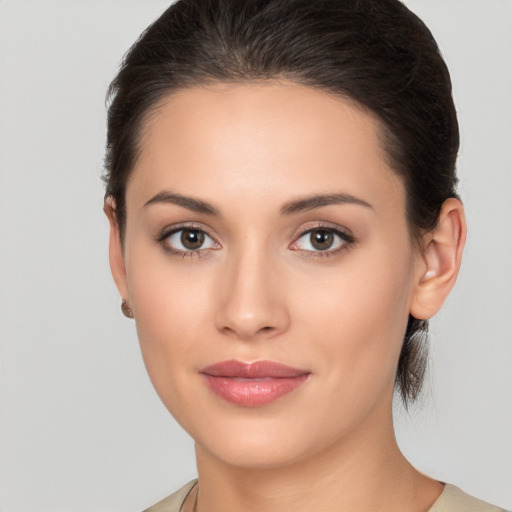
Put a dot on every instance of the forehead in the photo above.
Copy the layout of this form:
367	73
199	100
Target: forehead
267	138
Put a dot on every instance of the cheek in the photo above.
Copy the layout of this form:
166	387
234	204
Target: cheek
171	305
358	318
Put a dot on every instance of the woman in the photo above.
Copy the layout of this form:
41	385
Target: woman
284	221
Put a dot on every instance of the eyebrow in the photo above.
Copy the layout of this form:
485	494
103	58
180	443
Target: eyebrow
319	200
196	205
289	208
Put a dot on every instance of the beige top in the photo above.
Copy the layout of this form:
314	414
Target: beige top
452	499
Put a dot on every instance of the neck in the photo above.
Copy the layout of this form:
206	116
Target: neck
365	473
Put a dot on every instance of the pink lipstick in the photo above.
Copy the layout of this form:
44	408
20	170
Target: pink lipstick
252	384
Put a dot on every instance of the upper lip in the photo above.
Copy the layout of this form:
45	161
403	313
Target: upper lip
255	370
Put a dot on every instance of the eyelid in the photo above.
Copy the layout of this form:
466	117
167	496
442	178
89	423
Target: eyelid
192	226
328	226
343	233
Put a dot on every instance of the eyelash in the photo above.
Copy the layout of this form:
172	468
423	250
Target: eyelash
199	253
347	241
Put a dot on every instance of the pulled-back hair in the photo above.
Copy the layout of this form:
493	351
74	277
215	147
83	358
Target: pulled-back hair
375	52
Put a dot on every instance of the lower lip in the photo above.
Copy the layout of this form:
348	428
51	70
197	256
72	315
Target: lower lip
253	392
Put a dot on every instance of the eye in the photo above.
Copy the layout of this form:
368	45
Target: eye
187	240
322	239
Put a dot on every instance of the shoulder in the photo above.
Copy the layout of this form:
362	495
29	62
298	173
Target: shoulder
453	499
173	502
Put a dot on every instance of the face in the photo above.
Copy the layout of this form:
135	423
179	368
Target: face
264	225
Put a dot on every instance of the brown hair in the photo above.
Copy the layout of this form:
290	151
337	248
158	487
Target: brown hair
375	52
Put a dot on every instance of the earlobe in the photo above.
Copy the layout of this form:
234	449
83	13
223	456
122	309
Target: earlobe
116	257
441	259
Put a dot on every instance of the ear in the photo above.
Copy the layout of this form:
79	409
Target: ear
115	252
441	258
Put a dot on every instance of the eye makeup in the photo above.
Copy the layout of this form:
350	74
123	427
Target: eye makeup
318	241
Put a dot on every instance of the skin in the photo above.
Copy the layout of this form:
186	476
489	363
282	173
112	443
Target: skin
258	289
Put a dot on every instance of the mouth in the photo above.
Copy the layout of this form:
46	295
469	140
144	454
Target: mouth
253	384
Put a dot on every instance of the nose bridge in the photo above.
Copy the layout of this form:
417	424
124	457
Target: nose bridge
251	303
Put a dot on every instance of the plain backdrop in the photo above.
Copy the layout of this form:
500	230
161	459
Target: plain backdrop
81	428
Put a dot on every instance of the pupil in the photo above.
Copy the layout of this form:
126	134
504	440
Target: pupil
322	239
192	239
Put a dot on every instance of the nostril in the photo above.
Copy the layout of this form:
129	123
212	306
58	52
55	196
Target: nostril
267	330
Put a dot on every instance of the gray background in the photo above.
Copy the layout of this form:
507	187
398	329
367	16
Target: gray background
81	428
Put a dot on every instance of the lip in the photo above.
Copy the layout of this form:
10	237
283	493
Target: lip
253	384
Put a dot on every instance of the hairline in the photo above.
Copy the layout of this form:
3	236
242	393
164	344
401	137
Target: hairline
385	135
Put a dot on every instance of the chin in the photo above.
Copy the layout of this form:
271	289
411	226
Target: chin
255	453
260	442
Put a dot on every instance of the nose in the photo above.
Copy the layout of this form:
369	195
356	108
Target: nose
251	301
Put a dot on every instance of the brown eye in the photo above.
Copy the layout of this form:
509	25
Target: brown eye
192	239
321	239
188	241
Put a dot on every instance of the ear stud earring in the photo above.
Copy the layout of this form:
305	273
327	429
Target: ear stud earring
127	312
429	274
